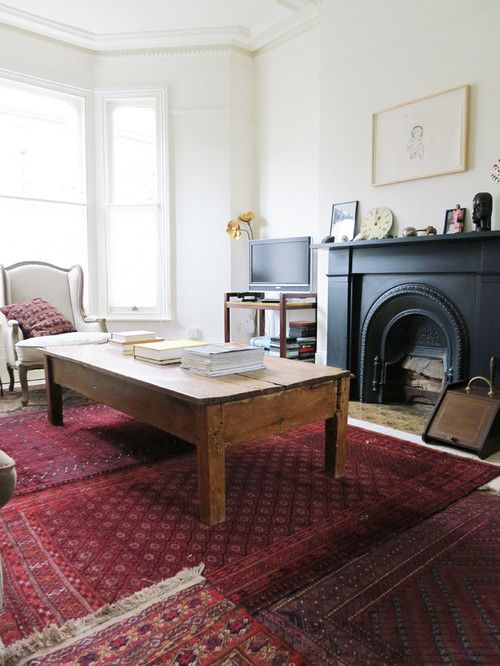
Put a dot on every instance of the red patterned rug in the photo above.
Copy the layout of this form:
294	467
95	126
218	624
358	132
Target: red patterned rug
94	440
183	621
427	596
71	548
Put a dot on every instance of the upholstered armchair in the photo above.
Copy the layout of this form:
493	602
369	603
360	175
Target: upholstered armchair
7	485
63	289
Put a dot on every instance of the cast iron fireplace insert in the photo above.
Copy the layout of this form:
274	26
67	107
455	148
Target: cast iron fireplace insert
451	283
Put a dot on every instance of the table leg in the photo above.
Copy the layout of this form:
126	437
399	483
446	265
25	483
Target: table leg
211	457
336	432
54	395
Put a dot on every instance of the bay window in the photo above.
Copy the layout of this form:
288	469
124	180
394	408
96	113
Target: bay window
135	211
43	203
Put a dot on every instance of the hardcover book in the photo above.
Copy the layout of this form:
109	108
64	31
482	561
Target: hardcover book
165	349
132	336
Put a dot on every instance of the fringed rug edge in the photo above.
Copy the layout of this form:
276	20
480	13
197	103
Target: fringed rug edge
42	642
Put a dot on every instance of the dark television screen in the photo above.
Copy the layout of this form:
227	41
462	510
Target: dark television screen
280	264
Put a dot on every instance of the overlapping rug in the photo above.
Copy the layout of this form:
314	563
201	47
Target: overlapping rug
426	596
183	621
91	534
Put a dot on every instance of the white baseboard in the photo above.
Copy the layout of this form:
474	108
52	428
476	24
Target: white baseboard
320	357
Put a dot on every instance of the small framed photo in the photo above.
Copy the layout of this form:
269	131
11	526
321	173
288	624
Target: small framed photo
454	220
343	221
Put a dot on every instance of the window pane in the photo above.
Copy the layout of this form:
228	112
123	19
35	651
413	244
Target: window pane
133	162
41	139
133	266
56	233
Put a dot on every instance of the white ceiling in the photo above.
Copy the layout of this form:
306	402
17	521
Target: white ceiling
122	24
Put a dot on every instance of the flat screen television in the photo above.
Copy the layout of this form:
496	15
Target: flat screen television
280	264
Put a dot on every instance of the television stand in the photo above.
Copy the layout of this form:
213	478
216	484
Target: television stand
287	301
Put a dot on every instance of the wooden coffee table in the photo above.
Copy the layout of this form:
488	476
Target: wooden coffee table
211	413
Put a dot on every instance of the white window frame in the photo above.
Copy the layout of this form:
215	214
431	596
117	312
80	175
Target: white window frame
86	97
104	100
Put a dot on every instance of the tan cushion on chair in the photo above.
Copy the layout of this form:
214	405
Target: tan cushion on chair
29	351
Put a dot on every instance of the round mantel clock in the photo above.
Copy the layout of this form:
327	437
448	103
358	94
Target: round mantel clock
377	223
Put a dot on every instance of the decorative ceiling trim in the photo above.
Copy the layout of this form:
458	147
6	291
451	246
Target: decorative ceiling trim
293	33
215	50
230	36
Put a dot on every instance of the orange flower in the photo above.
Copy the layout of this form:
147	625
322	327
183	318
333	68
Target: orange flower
246	217
233	229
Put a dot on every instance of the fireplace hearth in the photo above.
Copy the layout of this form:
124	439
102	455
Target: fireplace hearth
407	315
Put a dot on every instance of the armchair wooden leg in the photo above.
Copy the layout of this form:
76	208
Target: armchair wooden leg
10	370
23	378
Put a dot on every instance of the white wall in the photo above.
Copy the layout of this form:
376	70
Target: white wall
404	50
34	55
378	54
287	142
287	136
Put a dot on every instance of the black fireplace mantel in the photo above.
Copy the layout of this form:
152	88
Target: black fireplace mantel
464	268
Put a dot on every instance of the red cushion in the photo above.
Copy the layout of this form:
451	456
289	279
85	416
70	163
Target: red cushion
37	318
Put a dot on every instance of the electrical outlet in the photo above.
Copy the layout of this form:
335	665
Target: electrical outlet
193	333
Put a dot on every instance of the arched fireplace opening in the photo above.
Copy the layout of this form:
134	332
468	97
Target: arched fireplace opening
413	341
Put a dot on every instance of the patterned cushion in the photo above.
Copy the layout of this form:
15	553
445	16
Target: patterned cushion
37	318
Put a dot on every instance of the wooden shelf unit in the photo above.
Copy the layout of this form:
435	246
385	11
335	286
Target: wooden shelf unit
282	307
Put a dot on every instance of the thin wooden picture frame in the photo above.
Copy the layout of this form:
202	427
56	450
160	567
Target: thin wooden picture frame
426	137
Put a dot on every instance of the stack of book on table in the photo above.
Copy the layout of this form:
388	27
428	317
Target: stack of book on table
124	341
223	359
305	335
163	352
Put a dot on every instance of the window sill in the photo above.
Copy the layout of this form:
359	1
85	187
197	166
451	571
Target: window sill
141	317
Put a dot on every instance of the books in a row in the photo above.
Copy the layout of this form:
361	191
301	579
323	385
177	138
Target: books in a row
164	352
125	341
198	357
302	329
296	347
147	346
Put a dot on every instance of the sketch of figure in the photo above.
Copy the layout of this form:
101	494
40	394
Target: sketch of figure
416	142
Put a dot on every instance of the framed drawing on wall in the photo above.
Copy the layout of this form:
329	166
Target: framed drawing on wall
419	139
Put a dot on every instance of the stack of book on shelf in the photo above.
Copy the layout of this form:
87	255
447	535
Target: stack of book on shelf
305	335
124	341
163	352
291	348
263	341
223	359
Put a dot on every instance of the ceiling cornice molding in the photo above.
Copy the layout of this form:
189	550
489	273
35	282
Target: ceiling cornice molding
51	41
161	42
215	50
293	33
